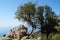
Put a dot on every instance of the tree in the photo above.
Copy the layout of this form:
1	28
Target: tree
27	12
51	21
41	17
47	20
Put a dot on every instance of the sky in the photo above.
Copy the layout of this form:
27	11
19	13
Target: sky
9	7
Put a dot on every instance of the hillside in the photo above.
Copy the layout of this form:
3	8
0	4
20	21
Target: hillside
17	33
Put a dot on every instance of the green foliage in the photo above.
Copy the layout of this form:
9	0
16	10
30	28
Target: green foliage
27	12
56	36
41	17
47	19
4	35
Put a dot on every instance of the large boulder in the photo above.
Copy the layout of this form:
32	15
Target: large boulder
19	32
16	33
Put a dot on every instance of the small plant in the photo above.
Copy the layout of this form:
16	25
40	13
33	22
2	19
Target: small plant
4	35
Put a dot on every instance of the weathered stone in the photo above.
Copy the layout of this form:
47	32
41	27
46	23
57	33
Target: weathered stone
16	33
25	38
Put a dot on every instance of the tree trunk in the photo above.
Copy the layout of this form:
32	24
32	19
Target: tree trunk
31	31
42	29
47	35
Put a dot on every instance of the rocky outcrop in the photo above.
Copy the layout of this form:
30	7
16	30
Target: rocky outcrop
16	33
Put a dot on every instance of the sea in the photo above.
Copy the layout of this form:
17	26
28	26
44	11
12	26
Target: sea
4	31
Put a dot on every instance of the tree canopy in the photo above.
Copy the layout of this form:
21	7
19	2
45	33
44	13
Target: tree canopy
41	17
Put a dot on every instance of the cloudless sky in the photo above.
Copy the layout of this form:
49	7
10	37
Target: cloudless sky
9	7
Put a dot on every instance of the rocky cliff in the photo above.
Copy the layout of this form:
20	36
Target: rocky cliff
18	33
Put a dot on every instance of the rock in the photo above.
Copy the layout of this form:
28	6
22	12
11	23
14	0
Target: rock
16	33
39	38
25	38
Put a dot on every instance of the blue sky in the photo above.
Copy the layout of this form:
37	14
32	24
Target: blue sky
9	7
